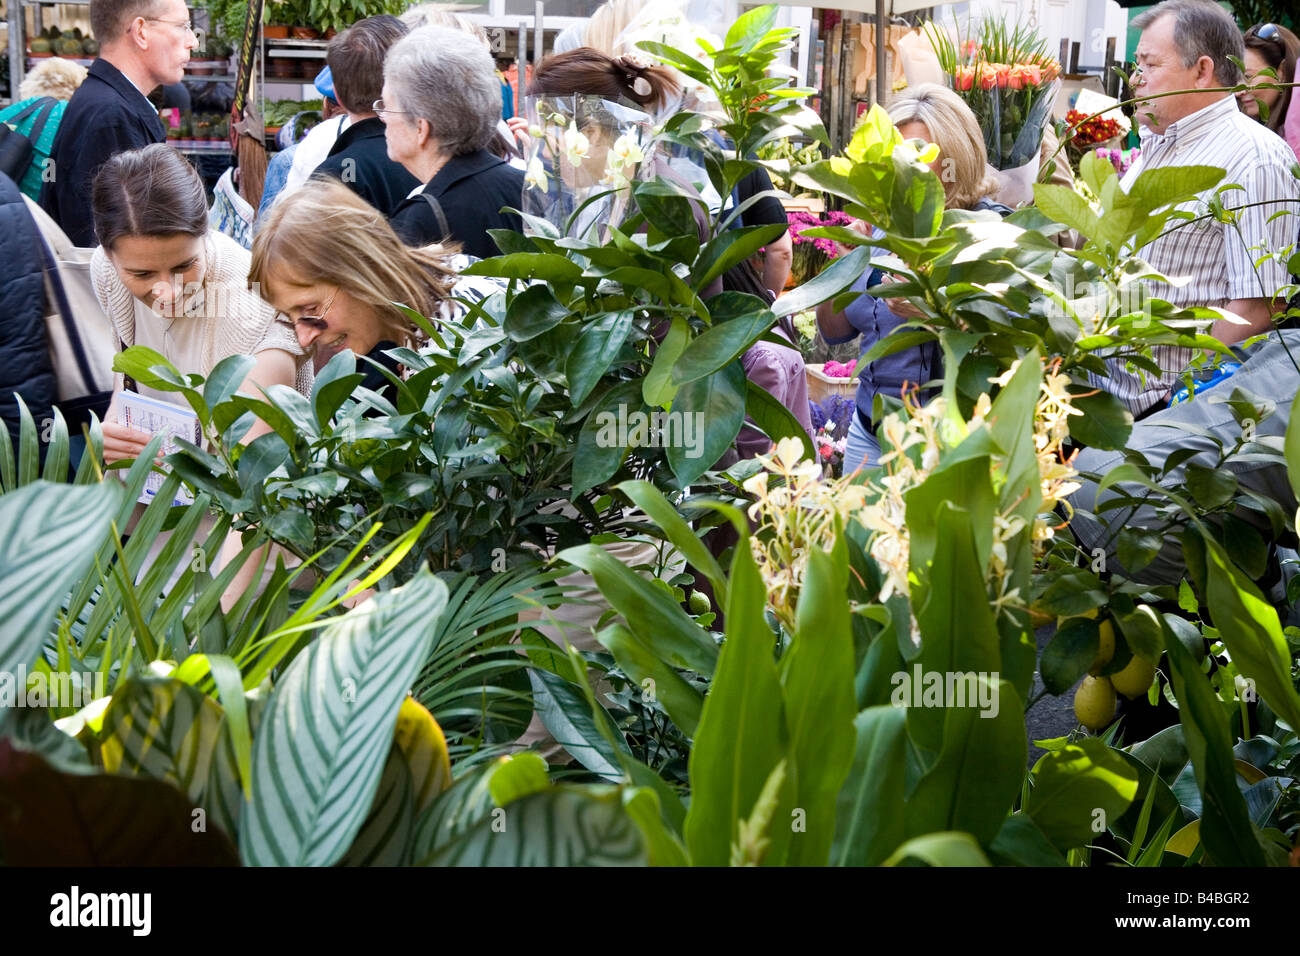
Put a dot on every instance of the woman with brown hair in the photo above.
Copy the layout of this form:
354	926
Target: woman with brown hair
1273	47
169	282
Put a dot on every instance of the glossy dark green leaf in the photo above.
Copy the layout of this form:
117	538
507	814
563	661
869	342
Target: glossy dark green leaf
709	413
1069	654
1105	423
720	345
775	419
532	312
597	346
1211	487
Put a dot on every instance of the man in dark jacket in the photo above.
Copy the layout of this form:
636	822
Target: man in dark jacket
143	43
25	365
359	157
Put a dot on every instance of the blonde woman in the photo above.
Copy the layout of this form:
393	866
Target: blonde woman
331	266
169	282
934	114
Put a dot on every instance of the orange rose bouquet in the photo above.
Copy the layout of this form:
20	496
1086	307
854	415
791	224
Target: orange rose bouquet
1008	80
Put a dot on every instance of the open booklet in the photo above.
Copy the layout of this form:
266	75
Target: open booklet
154	416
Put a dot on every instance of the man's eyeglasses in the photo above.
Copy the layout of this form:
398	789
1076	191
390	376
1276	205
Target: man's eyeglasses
186	25
381	110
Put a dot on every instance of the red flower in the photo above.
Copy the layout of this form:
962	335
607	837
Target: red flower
964	80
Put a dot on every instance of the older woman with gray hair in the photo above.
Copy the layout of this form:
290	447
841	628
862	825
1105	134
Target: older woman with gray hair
440	107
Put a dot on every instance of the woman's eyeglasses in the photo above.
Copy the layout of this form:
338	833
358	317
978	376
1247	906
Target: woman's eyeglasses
316	322
381	110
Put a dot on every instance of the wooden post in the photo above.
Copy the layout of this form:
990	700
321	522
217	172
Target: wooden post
1110	81
1074	57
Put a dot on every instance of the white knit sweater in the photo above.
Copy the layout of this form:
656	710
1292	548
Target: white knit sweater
245	323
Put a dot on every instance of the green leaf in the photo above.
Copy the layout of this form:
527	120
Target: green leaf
1021	843
518	776
657	387
1066	207
321	749
601	447
48	536
226	378
532	312
661	625
742	732
333	385
1069	654
597	346
973	795
1077	790
869	813
1105	423
1249	627
1211	487
1226	831
657	679
642	805
1142	629
649	499
712	411
775	419
720	345
830	282
563	826
565	712
385	836
730	248
941	849
161	728
820	700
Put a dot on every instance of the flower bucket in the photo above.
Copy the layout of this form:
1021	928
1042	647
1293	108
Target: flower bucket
822	386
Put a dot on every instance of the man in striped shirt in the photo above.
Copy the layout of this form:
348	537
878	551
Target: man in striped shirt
1188	45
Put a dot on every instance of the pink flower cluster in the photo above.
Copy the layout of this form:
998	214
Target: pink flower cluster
799	221
833	369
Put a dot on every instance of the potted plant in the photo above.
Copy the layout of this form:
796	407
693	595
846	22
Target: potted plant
278	22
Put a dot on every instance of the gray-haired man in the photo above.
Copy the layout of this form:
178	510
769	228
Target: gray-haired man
1184	59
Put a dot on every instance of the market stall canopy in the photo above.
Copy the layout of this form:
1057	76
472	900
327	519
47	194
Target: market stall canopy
892	7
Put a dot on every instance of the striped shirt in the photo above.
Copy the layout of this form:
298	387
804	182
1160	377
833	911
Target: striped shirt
1219	265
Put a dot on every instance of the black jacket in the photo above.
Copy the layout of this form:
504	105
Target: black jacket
106	116
471	190
360	160
25	364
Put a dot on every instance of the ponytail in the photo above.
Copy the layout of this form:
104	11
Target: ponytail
586	71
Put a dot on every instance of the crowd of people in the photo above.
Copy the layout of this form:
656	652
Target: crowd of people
412	168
